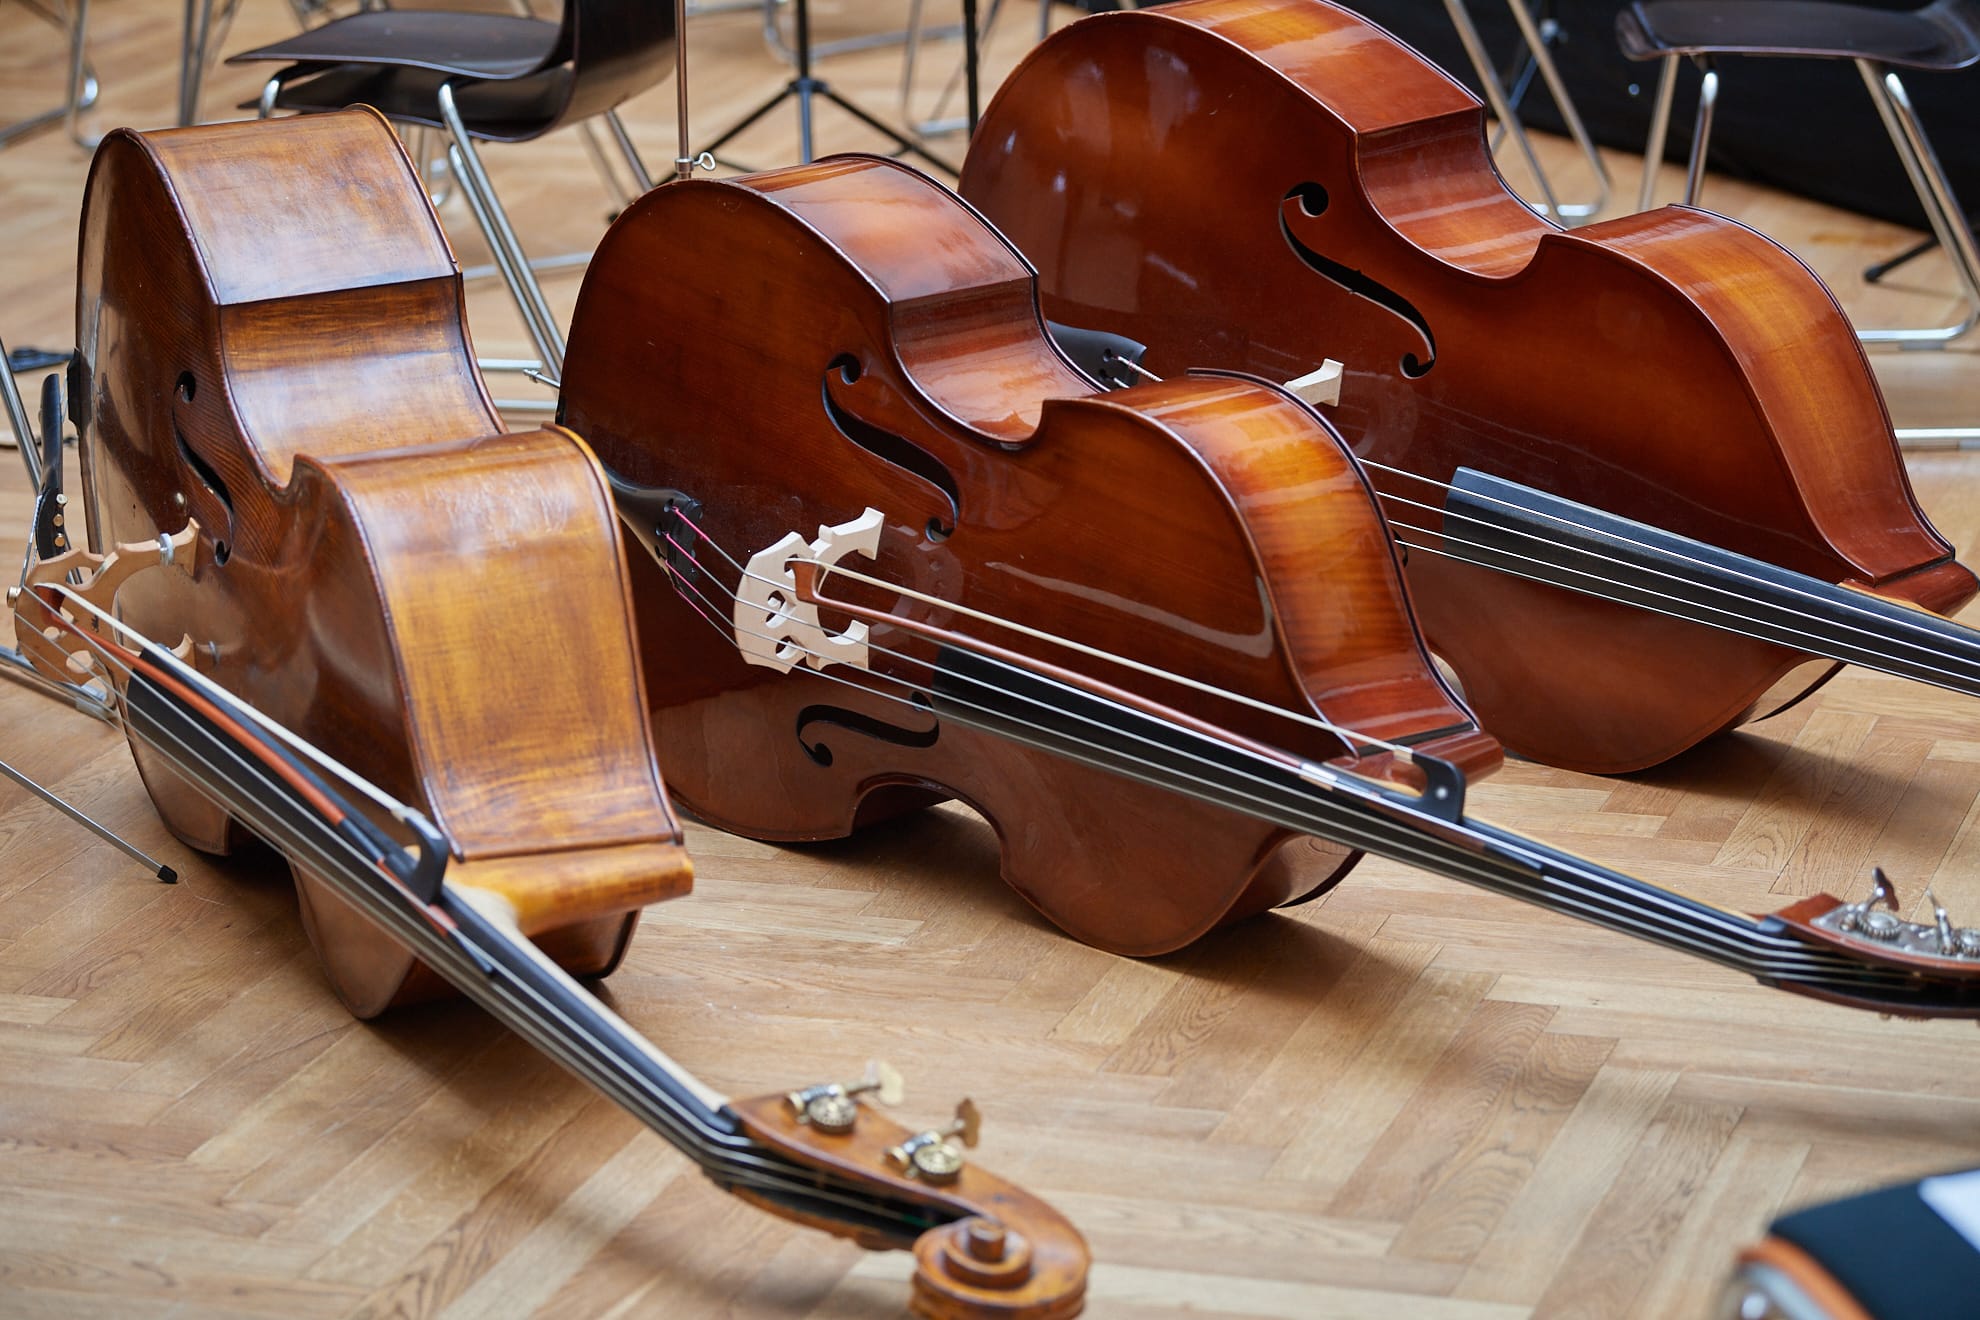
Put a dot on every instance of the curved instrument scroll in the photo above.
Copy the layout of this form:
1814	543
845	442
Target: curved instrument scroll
374	566
306	806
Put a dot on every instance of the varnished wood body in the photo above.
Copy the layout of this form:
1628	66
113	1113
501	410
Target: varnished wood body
1173	524
1673	366
270	331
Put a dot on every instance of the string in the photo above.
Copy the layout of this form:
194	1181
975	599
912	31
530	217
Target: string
1395	839
1925	625
1937	631
1356	740
714	1148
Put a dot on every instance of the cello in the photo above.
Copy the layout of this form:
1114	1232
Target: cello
1097	618
285	439
1641	467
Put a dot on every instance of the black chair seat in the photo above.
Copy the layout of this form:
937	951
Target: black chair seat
509	110
493	77
1935	37
466	45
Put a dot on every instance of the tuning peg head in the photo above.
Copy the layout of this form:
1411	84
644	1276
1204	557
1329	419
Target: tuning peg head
1882	892
884	1083
968	1123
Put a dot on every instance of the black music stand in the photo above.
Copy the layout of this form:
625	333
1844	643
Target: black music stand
804	87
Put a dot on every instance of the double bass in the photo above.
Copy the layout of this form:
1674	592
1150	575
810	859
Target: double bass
1157	637
1642	469
290	462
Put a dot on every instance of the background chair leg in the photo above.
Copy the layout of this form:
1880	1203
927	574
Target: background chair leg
1701	133
494	222
1488	78
1660	128
1543	60
641	178
1935	194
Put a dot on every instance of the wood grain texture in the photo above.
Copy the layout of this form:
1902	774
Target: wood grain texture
191	1124
1672	367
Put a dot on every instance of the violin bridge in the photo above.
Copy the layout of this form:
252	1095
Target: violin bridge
775	627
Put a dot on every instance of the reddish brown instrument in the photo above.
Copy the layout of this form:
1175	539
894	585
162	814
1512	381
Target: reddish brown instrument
270	334
886	351
1261	184
269	328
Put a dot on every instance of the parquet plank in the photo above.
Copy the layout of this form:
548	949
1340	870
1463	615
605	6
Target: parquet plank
1405	1099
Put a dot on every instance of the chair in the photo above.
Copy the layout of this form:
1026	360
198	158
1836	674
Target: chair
1944	35
496	77
82	86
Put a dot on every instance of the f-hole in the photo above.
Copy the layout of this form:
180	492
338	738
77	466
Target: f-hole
1311	199
853	721
902	452
186	387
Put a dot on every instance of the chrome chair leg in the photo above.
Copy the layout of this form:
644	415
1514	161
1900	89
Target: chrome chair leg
1701	135
642	179
82	88
1942	210
1495	96
1543	59
494	222
601	164
1660	127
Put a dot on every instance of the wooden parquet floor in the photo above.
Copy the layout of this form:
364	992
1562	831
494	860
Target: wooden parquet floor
1409	1100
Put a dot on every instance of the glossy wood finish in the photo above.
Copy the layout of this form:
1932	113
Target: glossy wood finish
270	332
1406	1099
1165	168
1007	1254
1158	524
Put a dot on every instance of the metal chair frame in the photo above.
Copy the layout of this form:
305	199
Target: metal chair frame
1505	109
1914	149
611	79
83	89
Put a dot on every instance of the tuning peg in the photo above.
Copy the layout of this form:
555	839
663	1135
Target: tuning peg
1954	942
834	1106
933	1154
1875	917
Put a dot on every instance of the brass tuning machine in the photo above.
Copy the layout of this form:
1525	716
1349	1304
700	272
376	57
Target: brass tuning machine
1875	920
834	1106
933	1155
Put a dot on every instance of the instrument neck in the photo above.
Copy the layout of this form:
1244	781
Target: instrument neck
1529	533
470	938
1052	715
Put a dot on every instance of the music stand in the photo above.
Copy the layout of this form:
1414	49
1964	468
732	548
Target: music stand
803	86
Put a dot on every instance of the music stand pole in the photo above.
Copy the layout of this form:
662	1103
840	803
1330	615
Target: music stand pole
804	87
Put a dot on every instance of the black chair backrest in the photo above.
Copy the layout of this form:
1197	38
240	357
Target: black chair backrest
618	48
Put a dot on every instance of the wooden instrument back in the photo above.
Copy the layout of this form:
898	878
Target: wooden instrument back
1261	184
886	351
270	340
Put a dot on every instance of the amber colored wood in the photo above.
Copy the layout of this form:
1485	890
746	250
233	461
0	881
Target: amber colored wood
270	328
1171	524
1037	1267
1820	1287
1164	167
1405	1099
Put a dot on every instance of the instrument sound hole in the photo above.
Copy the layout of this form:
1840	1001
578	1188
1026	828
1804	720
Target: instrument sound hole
898	450
1312	198
853	721
1308	200
186	386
